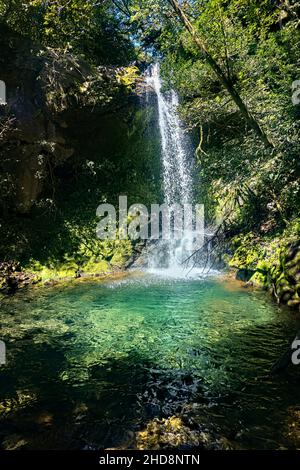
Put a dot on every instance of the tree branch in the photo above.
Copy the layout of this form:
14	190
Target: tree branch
221	75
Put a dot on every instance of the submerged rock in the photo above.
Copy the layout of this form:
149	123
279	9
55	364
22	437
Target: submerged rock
14	442
166	433
174	433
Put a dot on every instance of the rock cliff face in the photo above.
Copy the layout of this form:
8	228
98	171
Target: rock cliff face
286	284
47	92
31	136
71	136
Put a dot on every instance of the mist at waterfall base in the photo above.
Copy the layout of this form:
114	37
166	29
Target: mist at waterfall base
172	258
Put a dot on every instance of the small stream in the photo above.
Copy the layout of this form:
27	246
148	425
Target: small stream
91	364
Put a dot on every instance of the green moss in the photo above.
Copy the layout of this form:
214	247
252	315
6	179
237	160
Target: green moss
259	279
66	270
247	252
275	260
51	272
94	266
92	257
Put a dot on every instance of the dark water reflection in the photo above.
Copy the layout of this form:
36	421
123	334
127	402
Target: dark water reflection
87	366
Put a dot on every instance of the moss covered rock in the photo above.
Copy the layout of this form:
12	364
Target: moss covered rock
274	262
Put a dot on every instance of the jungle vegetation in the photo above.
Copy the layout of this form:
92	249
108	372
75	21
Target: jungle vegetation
235	65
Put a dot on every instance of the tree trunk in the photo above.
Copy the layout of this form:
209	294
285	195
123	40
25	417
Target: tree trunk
220	74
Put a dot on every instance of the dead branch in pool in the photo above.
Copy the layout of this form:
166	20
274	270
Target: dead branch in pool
205	247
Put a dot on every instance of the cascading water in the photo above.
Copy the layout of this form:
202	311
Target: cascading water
177	173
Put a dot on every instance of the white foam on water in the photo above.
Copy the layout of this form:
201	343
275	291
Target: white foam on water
168	257
182	273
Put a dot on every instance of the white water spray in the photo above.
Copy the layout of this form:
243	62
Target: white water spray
177	174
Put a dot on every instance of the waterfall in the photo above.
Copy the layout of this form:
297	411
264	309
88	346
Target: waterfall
177	175
177	172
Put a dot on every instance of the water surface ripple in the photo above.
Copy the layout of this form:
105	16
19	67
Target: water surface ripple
90	364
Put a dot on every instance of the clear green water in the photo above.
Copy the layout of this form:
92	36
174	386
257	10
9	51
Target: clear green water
90	364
